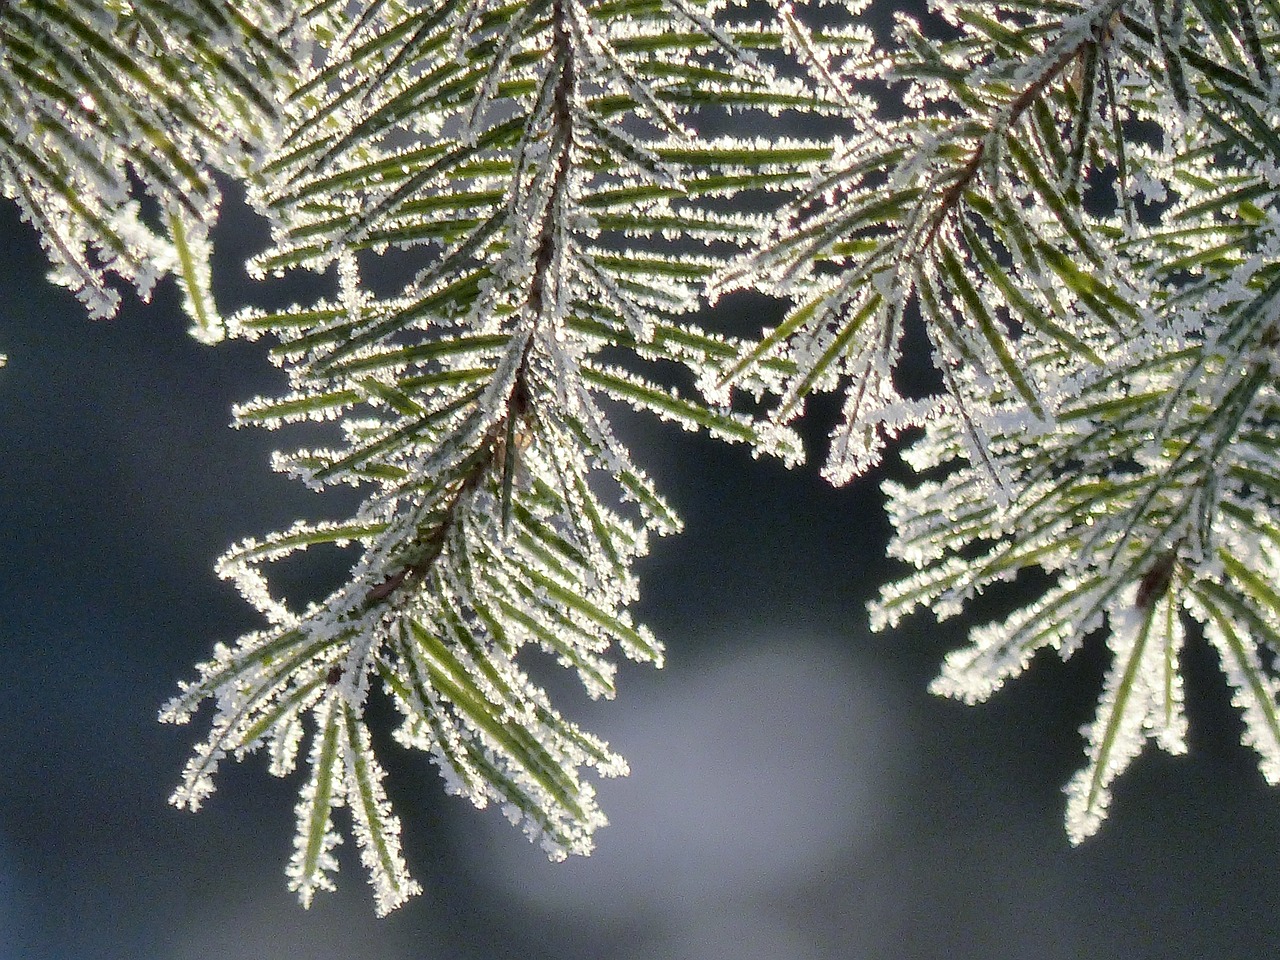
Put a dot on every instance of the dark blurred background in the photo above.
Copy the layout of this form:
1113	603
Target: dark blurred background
796	794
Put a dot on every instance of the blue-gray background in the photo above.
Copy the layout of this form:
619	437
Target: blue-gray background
795	792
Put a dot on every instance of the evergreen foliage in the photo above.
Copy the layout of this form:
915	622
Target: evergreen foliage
98	99
1079	204
1074	202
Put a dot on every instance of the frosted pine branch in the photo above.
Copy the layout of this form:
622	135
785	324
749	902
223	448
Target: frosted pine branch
1074	203
98	98
1107	372
541	166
